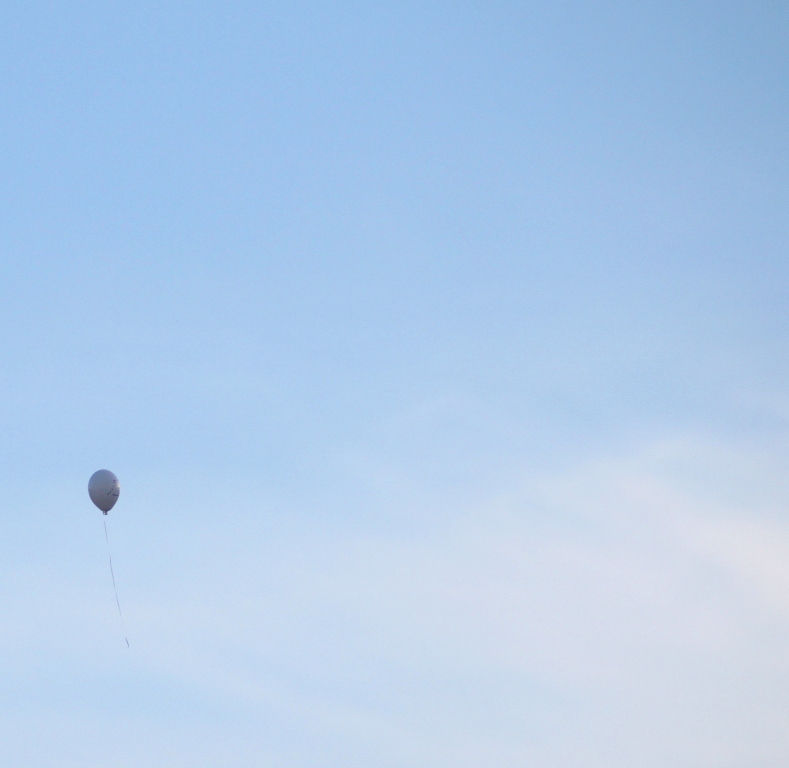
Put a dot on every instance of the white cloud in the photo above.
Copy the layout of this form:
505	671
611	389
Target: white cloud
629	611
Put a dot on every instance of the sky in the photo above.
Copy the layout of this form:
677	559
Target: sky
441	352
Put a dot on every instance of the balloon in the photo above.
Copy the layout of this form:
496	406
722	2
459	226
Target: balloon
104	489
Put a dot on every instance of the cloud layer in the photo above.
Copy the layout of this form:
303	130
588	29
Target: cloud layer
630	610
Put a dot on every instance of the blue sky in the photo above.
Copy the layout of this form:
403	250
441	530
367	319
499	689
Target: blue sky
440	350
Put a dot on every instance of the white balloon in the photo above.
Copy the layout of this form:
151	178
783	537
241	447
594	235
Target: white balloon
104	489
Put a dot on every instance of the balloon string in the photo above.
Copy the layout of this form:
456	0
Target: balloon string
112	573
